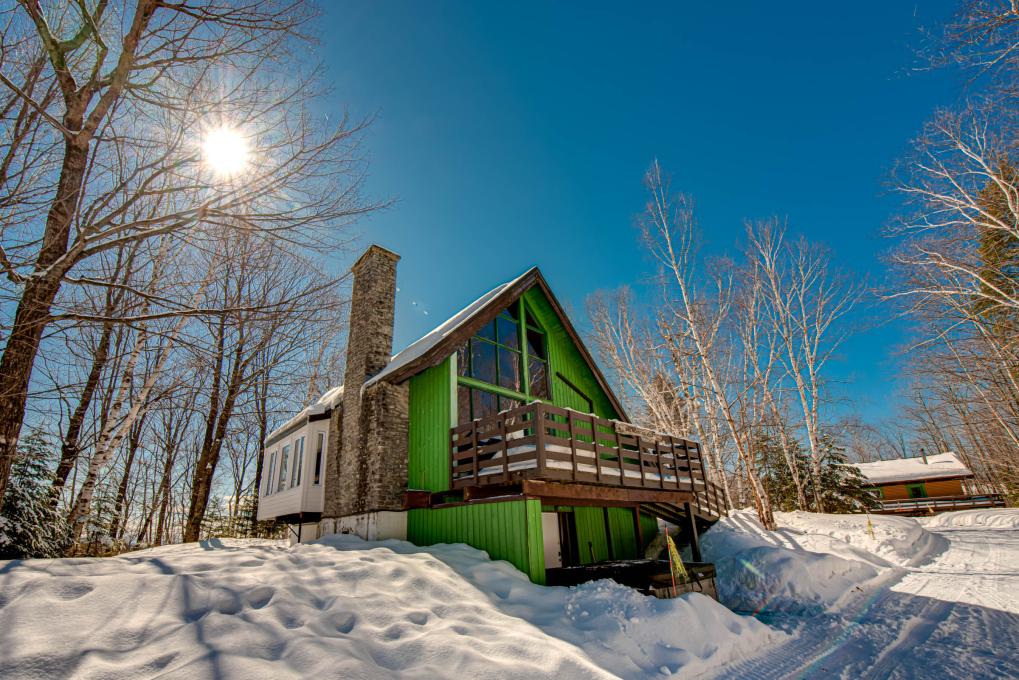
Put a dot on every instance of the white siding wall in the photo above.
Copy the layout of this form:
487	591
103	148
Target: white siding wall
304	497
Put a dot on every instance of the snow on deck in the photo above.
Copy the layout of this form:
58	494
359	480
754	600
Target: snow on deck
938	466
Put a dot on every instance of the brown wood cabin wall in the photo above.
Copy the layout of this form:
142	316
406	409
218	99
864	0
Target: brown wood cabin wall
935	489
947	487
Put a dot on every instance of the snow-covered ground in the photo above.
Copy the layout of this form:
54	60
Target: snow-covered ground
345	608
897	598
842	596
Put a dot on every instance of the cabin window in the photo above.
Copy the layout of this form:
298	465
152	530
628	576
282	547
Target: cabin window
284	459
917	490
319	448
503	366
295	473
493	356
474	403
271	473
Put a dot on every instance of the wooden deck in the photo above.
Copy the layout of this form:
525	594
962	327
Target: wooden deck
543	442
925	506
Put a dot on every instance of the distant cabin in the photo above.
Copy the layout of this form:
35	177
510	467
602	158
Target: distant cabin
497	429
925	485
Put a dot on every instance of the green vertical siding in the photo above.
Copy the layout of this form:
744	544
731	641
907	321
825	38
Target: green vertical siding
535	542
649	528
432	403
623	532
592	542
430	407
565	358
508	531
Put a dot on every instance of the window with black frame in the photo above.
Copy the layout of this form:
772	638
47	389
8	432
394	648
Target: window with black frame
503	366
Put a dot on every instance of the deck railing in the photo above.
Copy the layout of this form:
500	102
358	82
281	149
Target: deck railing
540	441
942	503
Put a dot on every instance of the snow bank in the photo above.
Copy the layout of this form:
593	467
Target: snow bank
1003	518
622	631
813	561
900	541
344	608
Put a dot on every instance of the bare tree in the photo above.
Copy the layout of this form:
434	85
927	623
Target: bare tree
136	83
668	230
806	299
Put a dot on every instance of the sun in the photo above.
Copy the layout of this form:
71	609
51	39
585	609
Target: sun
225	151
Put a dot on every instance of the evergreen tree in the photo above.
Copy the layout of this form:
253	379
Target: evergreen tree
998	253
219	522
251	527
842	489
96	538
777	477
29	525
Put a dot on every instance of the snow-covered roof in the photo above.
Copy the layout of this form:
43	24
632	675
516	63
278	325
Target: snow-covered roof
329	399
421	346
412	352
938	466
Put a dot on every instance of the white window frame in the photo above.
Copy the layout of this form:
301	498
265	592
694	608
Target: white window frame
271	470
320	439
284	461
298	464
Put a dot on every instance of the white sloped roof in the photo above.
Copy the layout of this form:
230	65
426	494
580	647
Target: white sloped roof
938	466
329	399
421	346
413	351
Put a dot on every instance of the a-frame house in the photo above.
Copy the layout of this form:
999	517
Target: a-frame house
497	430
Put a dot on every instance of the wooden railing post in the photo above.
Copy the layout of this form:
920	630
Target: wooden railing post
658	459
539	435
594	443
619	454
505	450
474	449
689	466
573	443
452	458
640	459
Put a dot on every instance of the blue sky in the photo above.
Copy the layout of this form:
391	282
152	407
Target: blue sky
512	133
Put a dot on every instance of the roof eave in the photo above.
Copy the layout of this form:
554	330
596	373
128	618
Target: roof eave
458	335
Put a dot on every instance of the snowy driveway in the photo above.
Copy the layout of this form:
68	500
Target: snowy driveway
957	616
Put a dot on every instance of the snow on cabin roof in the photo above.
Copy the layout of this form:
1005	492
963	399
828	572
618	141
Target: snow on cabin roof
938	466
421	346
329	399
412	352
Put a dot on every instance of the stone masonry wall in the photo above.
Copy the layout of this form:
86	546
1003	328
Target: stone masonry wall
384	423
360	467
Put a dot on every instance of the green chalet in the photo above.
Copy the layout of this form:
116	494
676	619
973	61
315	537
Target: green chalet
496	429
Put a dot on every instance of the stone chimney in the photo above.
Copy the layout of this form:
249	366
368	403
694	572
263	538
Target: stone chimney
367	470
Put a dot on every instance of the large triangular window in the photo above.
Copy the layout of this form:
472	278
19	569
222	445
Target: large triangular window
504	365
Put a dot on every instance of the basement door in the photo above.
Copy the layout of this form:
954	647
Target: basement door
559	536
552	542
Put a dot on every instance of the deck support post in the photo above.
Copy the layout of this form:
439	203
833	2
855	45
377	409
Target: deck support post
695	541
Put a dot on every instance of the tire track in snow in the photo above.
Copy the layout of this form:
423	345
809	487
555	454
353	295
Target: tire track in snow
915	632
883	632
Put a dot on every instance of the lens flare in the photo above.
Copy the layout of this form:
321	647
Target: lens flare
225	151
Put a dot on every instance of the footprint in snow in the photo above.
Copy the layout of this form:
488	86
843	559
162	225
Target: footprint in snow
73	590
